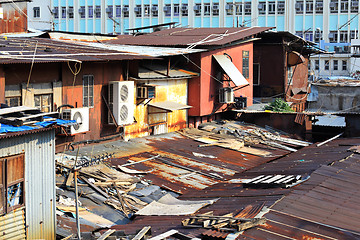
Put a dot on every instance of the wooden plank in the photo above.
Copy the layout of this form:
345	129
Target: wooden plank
38	115
69	179
142	233
95	187
164	235
4	111
250	224
106	234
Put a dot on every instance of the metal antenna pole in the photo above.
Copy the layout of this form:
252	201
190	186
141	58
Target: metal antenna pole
76	196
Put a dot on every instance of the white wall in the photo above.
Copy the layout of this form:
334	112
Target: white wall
45	20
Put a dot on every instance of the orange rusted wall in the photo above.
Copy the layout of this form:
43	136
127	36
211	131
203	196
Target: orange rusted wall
73	94
205	88
300	80
15	19
166	90
2	85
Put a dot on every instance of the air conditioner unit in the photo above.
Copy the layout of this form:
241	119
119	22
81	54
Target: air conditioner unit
226	95
55	11
261	6
81	10
125	9
319	5
97	10
81	116
184	7
70	10
121	102
298	6
197	7
332	5
167	9
137	9
215	7
109	10
145	92
229	6
354	4
154	8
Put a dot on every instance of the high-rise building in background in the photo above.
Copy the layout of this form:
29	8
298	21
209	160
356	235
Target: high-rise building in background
332	22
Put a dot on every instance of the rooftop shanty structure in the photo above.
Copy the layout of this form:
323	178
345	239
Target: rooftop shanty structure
27	180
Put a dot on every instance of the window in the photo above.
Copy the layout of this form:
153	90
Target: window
110	11
197	9
353	34
299	7
271	7
344	6
90	11
43	102
299	34
63	12
247	8
184	10
309	6
262	8
82	11
256	77
207	9
319	6
344	65
317	64
11	183
36	12
309	36
154	10
13	101
88	91
229	9
336	63
215	9
343	36
71	12
245	64
167	10
146	10
137	11
333	36
281	7
125	11
327	64
97	11
118	11
334	6
176	9
55	12
354	8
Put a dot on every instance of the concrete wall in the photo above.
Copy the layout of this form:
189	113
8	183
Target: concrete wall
45	21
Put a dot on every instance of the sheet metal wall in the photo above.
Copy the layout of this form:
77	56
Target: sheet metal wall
15	19
39	149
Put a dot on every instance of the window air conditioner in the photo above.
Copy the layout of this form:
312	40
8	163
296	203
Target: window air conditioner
226	95
229	6
319	5
54	11
81	10
145	92
354	4
137	9
121	102
125	9
81	116
97	10
109	10
184	7
154	8
215	7
260	6
197	7
167	9
332	4
70	10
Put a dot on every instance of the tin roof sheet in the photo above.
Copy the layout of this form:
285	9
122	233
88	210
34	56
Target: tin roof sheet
192	37
169	105
39	50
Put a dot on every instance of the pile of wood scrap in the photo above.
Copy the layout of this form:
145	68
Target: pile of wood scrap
226	222
243	137
112	186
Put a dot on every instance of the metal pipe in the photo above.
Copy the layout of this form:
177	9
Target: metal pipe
76	196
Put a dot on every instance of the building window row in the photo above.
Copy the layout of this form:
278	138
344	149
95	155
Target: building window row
238	8
317	6
334	36
271	7
335	65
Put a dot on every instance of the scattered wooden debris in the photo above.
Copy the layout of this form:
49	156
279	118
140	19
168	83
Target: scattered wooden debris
226	222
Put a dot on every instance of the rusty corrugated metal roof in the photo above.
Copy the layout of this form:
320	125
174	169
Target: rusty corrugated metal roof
189	36
22	50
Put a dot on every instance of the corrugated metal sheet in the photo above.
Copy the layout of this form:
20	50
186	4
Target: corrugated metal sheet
39	149
12	225
191	36
231	70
